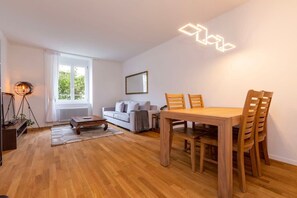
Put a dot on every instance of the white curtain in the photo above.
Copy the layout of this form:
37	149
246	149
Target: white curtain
51	71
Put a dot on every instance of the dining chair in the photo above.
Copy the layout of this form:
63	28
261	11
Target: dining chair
177	101
196	101
261	129
245	140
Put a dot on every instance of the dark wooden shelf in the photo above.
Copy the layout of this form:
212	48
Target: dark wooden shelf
10	134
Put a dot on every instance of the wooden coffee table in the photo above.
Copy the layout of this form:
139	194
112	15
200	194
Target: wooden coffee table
87	121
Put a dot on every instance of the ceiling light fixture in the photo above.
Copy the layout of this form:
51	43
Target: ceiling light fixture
202	37
189	29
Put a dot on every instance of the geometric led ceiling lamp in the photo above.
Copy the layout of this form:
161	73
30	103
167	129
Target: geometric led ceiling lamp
202	37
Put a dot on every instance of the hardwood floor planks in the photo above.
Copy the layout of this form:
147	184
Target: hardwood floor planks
126	165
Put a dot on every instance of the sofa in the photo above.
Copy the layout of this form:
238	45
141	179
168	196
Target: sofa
124	113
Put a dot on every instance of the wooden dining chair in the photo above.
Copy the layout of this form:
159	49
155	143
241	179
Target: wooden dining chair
245	140
261	129
177	101
196	101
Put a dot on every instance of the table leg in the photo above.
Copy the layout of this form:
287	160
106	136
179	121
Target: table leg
78	130
105	126
165	141
225	178
71	124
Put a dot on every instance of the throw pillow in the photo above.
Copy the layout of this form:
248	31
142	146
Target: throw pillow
125	105
125	108
132	106
119	107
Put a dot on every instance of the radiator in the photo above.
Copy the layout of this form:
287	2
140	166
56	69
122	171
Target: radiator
66	114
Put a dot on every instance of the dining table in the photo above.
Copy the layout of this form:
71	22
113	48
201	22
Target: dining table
222	117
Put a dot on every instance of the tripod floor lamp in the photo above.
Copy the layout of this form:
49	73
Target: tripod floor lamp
23	89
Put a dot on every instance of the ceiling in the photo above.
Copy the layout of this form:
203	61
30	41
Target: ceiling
105	29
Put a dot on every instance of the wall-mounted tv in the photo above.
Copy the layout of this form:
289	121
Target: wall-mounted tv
8	116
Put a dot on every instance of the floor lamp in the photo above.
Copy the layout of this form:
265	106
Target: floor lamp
23	89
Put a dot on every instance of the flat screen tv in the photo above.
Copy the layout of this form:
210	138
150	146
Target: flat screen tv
8	116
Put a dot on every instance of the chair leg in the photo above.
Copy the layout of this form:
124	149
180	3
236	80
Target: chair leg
193	125
265	151
186	124
258	159
241	171
193	155
254	162
213	153
186	145
202	154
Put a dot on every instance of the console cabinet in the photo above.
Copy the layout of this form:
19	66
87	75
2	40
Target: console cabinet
11	134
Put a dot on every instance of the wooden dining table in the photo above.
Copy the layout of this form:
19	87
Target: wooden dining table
223	117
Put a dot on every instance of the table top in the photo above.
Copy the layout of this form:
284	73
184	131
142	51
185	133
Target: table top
219	112
91	118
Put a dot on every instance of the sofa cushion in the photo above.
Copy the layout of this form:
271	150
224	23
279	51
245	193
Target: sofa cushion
119	107
122	116
145	105
109	113
132	106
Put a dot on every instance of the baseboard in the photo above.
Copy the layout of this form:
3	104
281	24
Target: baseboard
283	159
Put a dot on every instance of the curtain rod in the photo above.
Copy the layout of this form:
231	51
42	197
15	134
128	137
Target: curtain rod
71	54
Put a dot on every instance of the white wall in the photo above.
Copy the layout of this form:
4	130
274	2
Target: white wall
4	77
26	63
107	79
265	58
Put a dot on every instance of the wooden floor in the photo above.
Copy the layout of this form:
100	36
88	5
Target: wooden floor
124	165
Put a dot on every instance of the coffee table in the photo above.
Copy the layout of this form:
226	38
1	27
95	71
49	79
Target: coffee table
87	121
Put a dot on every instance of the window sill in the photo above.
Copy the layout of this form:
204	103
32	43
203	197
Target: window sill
72	105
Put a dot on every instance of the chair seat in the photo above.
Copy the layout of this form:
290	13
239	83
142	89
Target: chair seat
175	122
211	139
187	133
205	127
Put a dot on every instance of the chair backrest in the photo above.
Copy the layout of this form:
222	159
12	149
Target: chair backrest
262	114
196	101
175	101
248	119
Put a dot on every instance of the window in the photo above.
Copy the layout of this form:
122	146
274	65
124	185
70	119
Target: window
73	80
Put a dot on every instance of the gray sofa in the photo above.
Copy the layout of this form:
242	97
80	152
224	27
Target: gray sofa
127	119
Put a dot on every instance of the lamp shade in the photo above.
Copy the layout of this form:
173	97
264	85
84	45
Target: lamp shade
23	88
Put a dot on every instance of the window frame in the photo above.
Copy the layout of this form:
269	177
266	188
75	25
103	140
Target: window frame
72	87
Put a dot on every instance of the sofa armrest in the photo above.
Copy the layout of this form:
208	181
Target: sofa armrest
132	120
150	115
154	107
153	111
108	109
